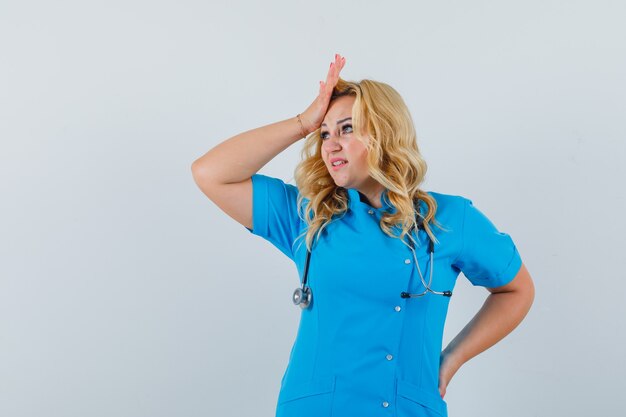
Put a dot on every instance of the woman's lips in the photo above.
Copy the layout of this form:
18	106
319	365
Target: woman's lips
338	167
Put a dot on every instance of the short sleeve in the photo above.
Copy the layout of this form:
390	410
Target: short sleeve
488	257
274	212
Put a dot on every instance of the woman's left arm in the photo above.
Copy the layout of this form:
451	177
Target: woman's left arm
502	311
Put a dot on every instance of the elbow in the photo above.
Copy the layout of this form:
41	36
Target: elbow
198	170
200	175
194	168
526	294
531	292
527	287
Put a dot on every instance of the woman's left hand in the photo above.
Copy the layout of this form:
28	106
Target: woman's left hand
448	366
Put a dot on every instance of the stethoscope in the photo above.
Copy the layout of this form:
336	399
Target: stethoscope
302	295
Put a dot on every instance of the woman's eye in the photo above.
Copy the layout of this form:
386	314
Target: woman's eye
324	135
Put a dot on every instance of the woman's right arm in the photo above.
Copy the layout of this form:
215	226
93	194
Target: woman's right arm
223	173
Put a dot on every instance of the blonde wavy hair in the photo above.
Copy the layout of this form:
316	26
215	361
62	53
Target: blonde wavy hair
393	159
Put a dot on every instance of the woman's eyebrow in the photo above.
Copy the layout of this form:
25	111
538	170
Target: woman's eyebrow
339	121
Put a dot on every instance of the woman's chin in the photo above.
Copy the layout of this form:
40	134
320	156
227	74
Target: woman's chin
340	183
340	180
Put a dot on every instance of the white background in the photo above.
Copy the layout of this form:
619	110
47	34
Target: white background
124	291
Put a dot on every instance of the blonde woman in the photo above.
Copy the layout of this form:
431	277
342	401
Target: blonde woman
377	255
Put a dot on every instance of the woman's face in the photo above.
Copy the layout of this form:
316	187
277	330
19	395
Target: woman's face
340	144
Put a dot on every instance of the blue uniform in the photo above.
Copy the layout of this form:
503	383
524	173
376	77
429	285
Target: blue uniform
361	349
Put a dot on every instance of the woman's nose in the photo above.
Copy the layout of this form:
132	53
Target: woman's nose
331	142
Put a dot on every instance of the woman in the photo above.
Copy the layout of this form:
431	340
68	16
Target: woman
384	254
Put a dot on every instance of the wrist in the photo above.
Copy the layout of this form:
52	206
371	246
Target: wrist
453	358
303	131
307	126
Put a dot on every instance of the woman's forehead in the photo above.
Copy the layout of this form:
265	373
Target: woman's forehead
338	110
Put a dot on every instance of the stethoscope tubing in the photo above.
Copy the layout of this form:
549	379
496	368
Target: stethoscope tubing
302	296
427	289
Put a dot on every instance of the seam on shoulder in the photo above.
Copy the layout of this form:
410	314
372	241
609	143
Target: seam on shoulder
465	203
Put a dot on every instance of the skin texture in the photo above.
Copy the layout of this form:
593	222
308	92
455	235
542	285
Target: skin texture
338	141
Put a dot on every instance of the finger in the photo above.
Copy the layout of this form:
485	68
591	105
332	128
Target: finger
323	88
334	71
330	72
332	77
338	68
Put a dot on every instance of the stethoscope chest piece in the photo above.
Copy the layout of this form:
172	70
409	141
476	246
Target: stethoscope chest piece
302	297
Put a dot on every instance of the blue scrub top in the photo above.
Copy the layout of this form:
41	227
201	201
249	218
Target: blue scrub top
361	349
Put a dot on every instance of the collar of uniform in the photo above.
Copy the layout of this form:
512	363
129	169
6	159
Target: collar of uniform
355	202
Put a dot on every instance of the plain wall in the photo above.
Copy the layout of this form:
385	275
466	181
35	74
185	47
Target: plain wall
124	291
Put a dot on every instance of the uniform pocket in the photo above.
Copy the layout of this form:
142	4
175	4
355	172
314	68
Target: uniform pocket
313	398
412	398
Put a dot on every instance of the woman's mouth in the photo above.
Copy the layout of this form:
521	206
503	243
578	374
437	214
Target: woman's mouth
338	165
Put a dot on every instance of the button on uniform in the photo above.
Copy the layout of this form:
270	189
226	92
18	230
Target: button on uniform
389	357
279	212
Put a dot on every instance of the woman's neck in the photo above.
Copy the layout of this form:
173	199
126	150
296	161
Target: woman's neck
372	197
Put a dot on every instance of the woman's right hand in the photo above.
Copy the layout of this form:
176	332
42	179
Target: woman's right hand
313	116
